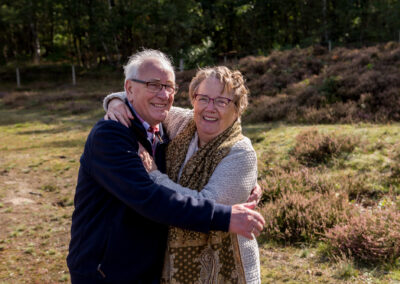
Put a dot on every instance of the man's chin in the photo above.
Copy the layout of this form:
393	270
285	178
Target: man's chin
161	116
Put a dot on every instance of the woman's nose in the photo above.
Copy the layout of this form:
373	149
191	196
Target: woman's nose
210	105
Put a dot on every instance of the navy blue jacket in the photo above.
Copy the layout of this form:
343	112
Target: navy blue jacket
119	225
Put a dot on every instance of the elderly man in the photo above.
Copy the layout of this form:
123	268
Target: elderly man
119	226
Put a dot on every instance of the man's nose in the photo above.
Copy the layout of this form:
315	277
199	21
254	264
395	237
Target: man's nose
163	93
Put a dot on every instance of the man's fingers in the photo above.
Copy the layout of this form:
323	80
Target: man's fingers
246	222
259	218
248	235
258	226
250	205
256	233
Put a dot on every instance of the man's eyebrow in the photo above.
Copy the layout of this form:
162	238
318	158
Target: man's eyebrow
154	80
157	80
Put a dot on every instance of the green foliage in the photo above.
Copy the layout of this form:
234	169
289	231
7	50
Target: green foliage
199	55
107	32
329	90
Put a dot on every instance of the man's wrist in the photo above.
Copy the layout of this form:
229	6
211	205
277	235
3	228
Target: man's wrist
221	218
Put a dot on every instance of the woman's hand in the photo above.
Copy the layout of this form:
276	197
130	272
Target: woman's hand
118	111
148	161
256	194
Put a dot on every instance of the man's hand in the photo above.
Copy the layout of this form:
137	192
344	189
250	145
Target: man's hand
118	111
246	222
256	194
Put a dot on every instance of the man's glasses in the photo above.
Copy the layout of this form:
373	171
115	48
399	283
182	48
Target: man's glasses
220	102
155	87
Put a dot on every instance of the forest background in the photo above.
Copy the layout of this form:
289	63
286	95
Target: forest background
324	78
92	32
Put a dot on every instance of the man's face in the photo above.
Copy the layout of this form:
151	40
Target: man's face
153	107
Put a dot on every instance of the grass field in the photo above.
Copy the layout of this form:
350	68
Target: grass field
42	134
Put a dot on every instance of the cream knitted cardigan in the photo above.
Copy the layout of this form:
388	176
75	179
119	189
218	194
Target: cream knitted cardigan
231	183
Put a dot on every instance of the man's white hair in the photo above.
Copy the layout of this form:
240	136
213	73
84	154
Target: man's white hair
131	69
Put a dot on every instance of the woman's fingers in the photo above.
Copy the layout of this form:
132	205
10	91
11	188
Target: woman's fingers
256	194
111	116
128	112
122	119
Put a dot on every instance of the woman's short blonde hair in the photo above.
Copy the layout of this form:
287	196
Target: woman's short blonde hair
232	81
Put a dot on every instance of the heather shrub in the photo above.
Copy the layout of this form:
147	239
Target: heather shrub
270	75
370	237
313	148
267	108
296	217
395	163
280	181
313	86
361	188
347	112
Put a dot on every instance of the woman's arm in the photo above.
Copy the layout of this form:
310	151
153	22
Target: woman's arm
120	95
232	181
176	120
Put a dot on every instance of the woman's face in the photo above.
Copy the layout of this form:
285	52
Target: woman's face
211	119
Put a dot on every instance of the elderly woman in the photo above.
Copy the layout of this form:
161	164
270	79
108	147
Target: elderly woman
208	157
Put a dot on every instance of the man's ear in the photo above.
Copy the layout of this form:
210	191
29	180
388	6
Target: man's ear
129	88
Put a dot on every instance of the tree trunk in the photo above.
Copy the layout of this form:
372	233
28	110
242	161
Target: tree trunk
35	37
326	38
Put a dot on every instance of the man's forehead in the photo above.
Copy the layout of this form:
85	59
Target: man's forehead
156	69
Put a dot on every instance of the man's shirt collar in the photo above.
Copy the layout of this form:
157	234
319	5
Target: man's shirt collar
145	124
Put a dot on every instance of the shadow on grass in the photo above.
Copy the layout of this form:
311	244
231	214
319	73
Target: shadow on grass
46	131
71	143
10	116
260	127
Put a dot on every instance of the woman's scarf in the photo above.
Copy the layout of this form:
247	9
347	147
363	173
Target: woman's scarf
194	257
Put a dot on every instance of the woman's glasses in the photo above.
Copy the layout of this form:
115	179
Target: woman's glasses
204	100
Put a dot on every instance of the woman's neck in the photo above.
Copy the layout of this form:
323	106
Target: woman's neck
202	140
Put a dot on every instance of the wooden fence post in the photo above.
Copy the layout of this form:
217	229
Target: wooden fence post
73	75
18	77
181	66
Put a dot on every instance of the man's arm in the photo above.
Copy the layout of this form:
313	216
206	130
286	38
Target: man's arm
231	182
114	163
